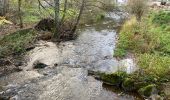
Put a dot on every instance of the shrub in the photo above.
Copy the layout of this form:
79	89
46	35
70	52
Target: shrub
137	7
135	36
125	36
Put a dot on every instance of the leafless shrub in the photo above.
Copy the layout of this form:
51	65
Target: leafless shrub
137	7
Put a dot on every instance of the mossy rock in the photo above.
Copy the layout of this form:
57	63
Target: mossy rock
114	78
147	90
128	84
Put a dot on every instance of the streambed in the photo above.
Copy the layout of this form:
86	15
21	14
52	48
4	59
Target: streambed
66	76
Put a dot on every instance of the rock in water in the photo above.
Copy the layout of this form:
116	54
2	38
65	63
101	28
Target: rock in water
4	62
39	65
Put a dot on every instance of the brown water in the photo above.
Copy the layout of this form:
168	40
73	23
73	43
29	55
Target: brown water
66	77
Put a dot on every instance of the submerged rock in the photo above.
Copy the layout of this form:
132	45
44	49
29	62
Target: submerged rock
4	98
4	62
39	65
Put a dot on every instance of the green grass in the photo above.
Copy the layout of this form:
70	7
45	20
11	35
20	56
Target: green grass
16	42
154	65
149	40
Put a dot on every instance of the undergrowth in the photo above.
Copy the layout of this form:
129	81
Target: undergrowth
149	40
16	42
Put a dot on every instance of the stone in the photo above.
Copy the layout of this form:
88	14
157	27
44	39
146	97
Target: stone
4	98
39	65
18	63
4	62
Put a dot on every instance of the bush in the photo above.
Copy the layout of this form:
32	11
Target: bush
137	7
125	36
136	37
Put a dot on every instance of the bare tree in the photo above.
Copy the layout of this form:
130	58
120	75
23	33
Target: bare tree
64	12
57	18
4	4
79	16
137	7
20	14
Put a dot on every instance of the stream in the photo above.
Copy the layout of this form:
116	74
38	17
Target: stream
66	76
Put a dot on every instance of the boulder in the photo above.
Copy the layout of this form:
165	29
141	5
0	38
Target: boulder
39	65
4	62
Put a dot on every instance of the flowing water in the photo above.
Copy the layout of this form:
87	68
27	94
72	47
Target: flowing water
66	76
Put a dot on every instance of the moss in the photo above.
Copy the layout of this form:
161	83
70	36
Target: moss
147	90
114	78
128	84
120	53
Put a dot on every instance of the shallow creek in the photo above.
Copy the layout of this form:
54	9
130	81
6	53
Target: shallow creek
66	76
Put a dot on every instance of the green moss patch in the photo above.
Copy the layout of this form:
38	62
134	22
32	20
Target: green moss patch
147	90
114	78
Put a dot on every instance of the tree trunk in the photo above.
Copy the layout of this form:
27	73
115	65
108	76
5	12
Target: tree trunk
57	19
79	16
20	14
64	12
4	4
